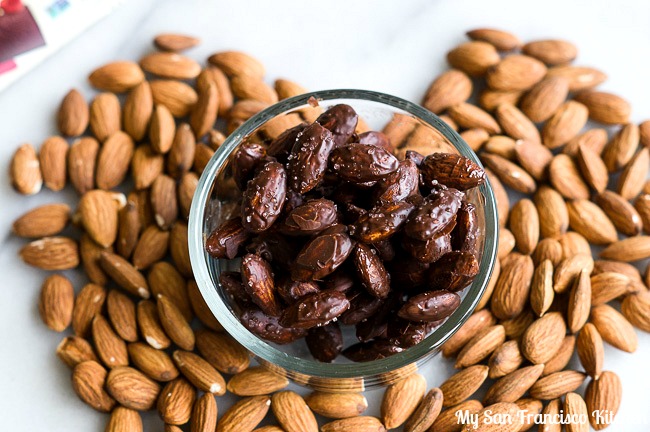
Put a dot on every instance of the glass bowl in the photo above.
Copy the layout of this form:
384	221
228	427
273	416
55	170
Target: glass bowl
216	199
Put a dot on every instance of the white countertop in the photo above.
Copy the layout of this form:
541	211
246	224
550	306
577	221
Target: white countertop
389	46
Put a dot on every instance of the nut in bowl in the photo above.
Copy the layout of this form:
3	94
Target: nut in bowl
343	236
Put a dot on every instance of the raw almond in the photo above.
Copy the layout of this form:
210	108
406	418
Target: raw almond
336	405
25	171
513	386
603	396
510	173
463	384
501	39
506	243
580	77
52	158
469	116
204	113
178	97
516	72
162	129
426	413
474	323
176	401
286	88
88	304
74	350
124	420
541	289
629	249
222	352
524	225
501	145
129	227
179	249
553	212
490	99
562	356
163	201
575	407
481	346
516	124
245	414
234	63
513	286
401	399
500	195
569	269
528	409
590	350
202	156
151	247
502	410
642	206
124	274
185	192
146	166
149	325
56	302
588	219
82	159
557	384
490	287
256	381
116	77
473	58
631	181
200	373
88	379
624	216
614	328
565	124
550	249
164	280
204	414
156	364
636	308
533	157
250	87
606	108
593	168
551	409
551	51
98	212
170	65
448	89
574	243
105	115
110	348
565	178
447	421
607	286
46	220
73	115
51	253
357	424
506	359
201	309
621	148
543	100
137	111
542	338
644	129
181	153
175	41
216	76
131	388
593	139
292	412
174	323
579	302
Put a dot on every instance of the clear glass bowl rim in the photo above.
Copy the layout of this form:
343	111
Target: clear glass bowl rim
258	347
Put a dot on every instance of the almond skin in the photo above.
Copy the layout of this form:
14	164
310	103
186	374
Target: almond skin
204	414
593	168
524	225
565	178
132	389
562	357
501	410
170	65
513	286
614	328
245	414
222	352
116	77
74	350
124	274
448	89
552	51
541	290
256	381
481	346
156	364
204	113
514	385
175	325
516	124
553	213
98	213
161	129
426	413
636	308
82	160
175	41
506	359
51	253
557	384
292	412
137	111
474	323
622	214
593	139
149	325
590	350
628	250
176	401
178	97
580	77
516	72
543	100
105	115
111	349
46	220
501	39
603	394
114	160
337	405
542	339
401	399
588	219
164	280
510	173
631	181
621	148
124	420
575	406
200	373
565	124
447	421
579	302
234	63
463	384
469	116
360	424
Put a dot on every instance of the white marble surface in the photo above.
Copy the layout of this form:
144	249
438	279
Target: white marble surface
394	47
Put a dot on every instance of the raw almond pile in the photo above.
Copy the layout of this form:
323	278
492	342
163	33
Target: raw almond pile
134	154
